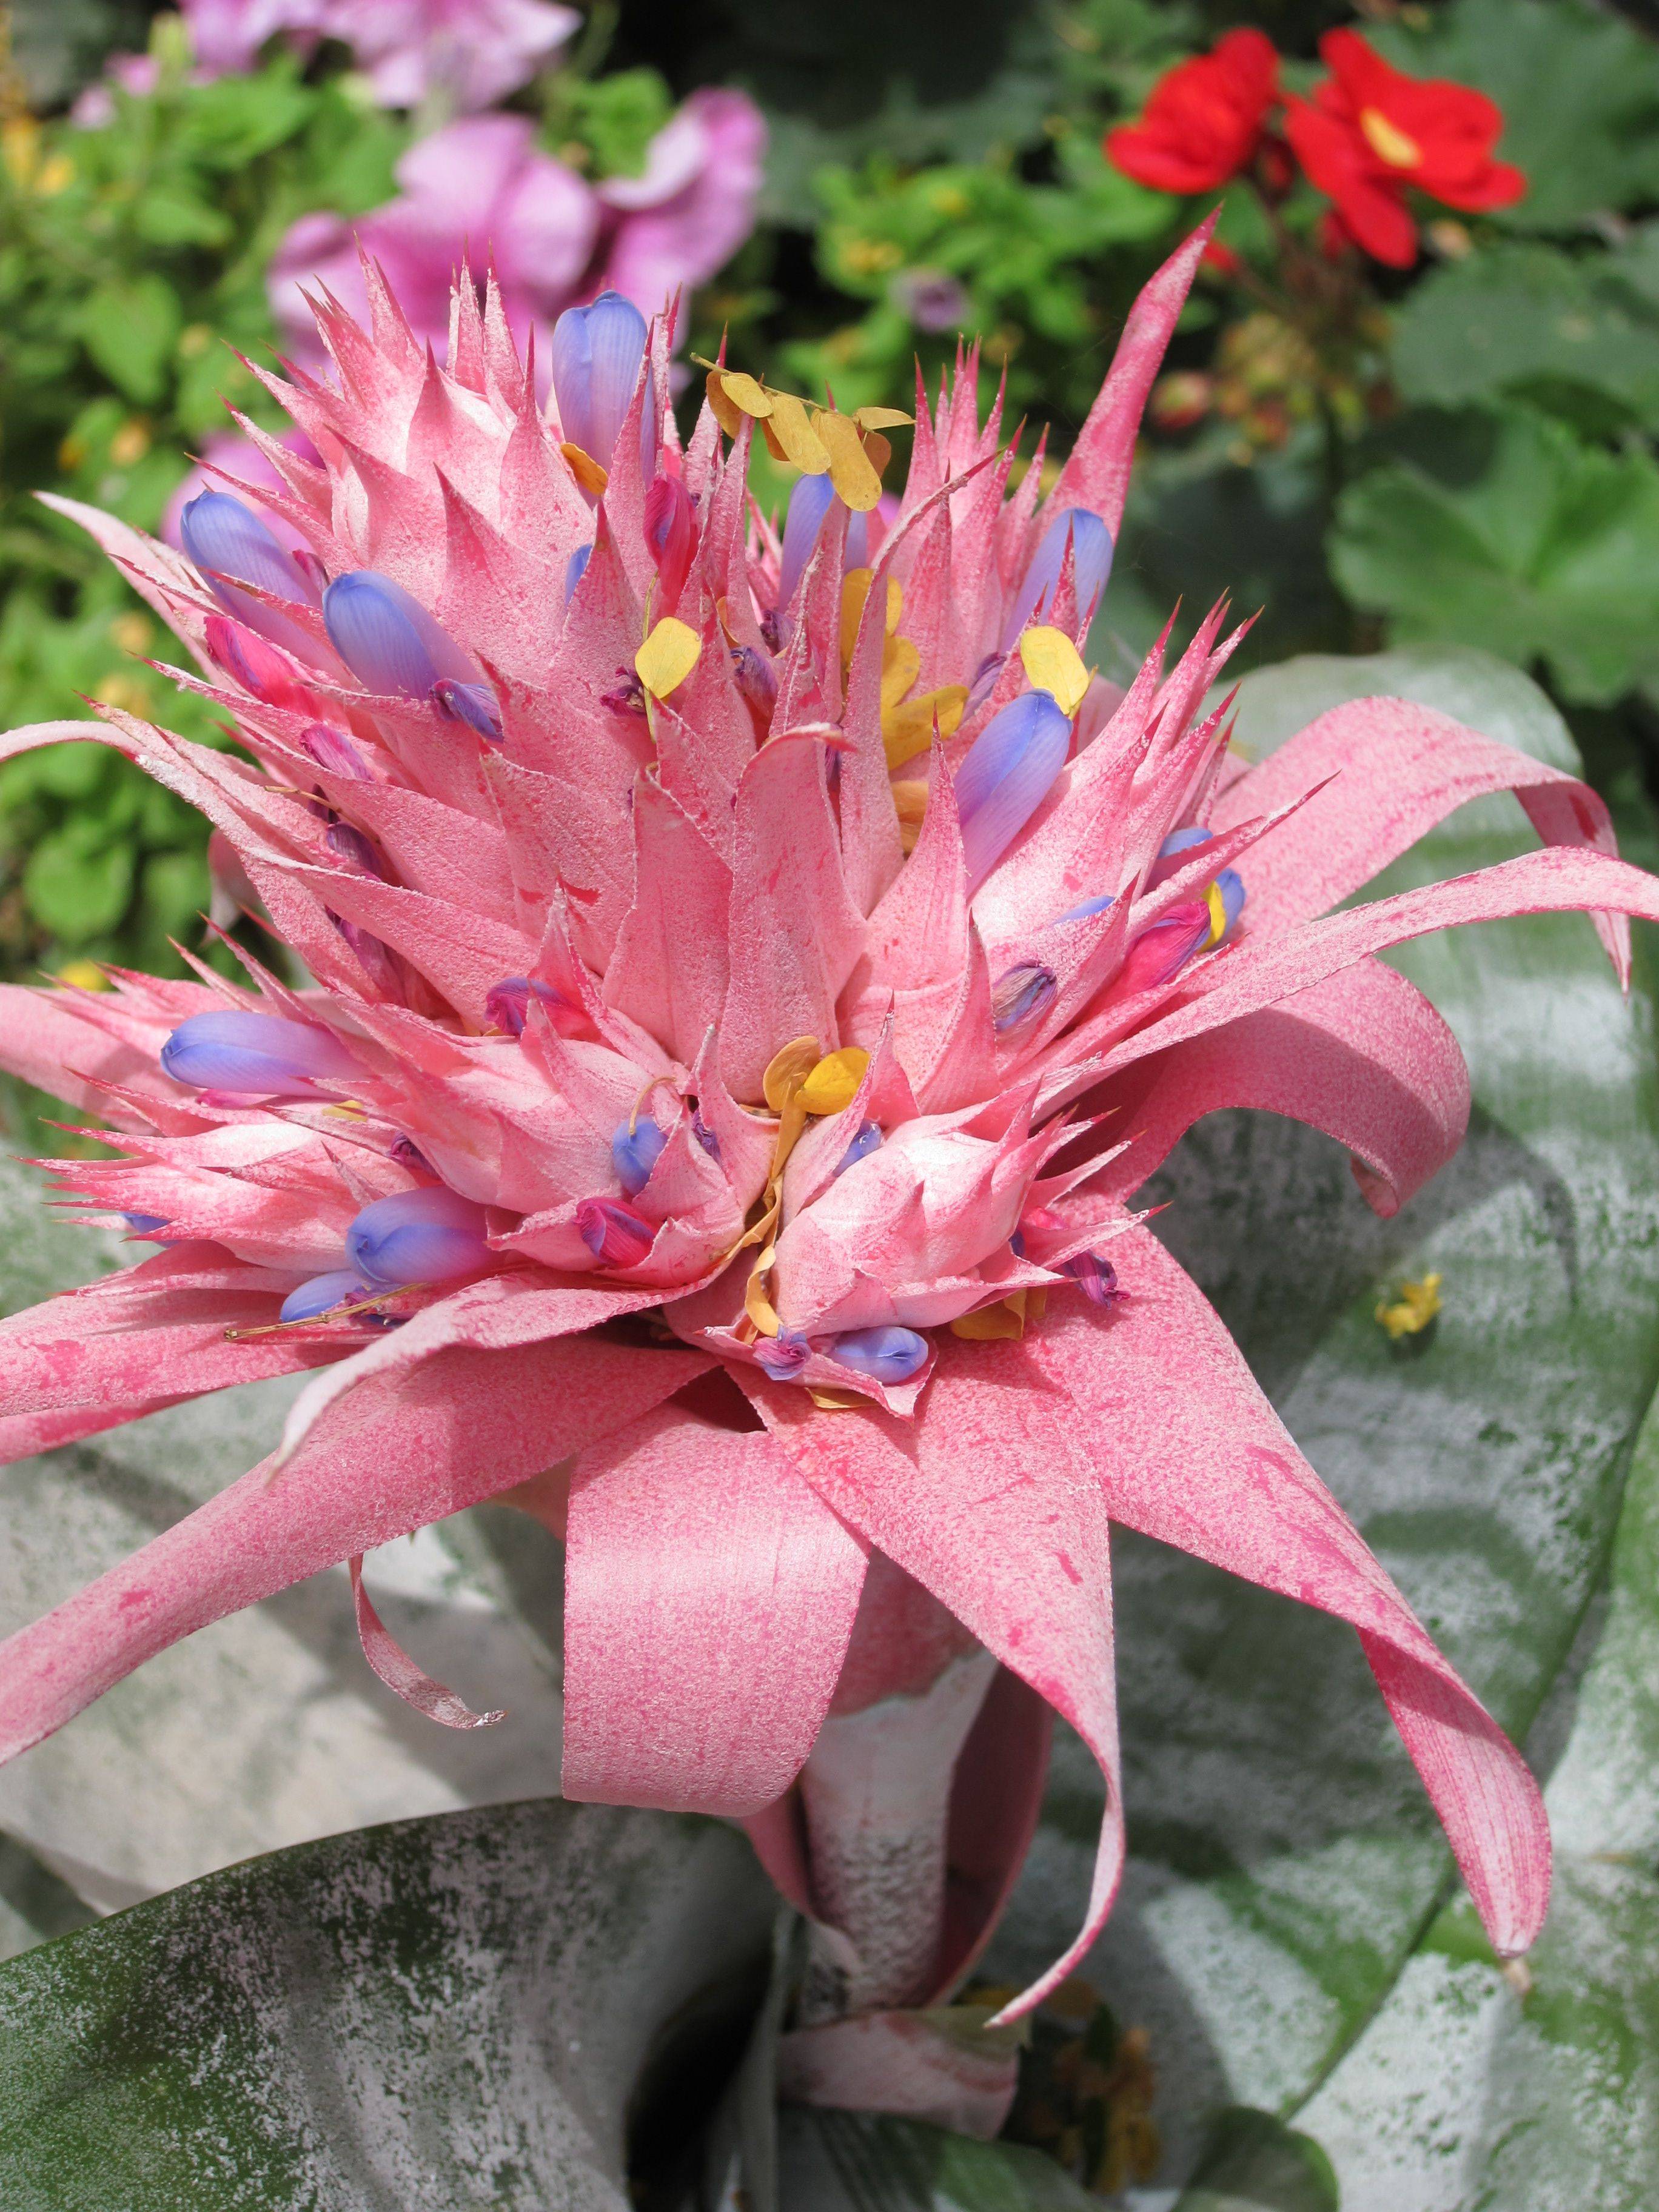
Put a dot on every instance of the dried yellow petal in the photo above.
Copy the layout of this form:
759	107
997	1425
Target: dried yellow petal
792	437
729	417
907	729
910	802
831	1401
882	418
668	656
787	1070
835	1081
756	1303
1054	665
744	391
851	470
586	470
992	1324
901	664
854	591
877	450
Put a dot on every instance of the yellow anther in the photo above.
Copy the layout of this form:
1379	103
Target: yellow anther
852	471
1387	141
907	729
668	656
586	470
787	1070
1410	1314
1054	665
834	1083
84	975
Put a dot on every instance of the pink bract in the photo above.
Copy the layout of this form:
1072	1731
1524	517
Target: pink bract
544	908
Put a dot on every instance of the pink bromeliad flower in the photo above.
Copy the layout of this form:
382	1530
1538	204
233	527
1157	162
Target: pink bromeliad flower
471	52
751	976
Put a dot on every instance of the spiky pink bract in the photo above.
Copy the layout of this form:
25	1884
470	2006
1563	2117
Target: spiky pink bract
583	908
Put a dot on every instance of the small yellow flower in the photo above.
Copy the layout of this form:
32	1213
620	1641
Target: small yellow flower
870	257
84	975
120	689
130	442
1410	1314
131	633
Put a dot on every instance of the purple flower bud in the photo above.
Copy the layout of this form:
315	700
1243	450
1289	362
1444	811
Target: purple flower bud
671	536
757	680
333	751
1175	852
1020	994
613	1232
783	1356
249	660
705	1136
471	703
225	538
984	681
387	639
506	1004
408	1154
348	843
1097	1277
323	1292
428	1236
809	503
867	1140
634	1151
1009	771
888	1354
574	569
1092	554
629	696
145	1225
1083	910
596	355
260	1055
314	572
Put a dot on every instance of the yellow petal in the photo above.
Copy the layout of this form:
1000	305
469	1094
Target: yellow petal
1054	665
907	729
910	801
744	391
901	664
850	468
882	418
787	1070
756	1303
729	417
792	437
830	1401
834	1082
1217	907
586	470
668	656
1006	1319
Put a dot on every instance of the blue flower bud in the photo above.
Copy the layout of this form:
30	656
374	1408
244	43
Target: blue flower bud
387	639
428	1236
339	1288
1085	909
1008	773
145	1225
634	1151
1175	852
867	1140
888	1354
331	749
1021	995
707	1138
225	538
809	501
506	1004
613	1232
1091	556
1095	1277
574	569
471	703
596	355
257	1053
1230	885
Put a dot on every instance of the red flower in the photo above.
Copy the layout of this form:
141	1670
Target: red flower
1368	132
1203	122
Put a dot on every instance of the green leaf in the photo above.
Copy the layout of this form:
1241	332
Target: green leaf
130	328
859	2162
1256	2163
1532	320
1579	89
1283	1860
1508	532
1472	2089
438	2015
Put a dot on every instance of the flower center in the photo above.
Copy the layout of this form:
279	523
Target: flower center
1387	141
